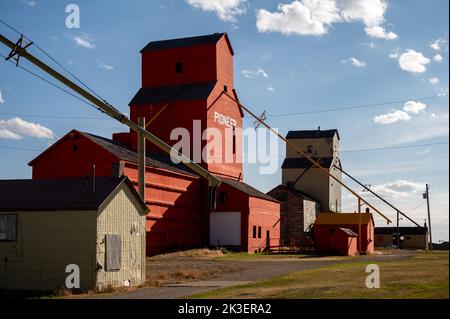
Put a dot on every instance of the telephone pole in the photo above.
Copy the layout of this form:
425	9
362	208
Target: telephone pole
427	197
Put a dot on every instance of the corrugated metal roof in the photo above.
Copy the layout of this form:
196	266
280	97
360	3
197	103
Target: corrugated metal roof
293	191
183	92
312	134
183	42
342	218
153	159
403	230
60	194
349	232
301	162
247	189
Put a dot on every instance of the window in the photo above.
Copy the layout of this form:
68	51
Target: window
74	147
8	227
223	197
234	140
254	231
309	149
225	88
408	238
113	252
259	231
179	67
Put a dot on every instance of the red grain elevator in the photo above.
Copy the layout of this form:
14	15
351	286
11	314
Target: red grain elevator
189	82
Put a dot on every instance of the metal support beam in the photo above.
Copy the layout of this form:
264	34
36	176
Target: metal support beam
427	195
376	195
113	112
301	152
141	159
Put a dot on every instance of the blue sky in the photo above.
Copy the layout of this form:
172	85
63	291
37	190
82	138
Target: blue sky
290	57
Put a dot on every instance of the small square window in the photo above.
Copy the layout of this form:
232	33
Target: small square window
179	67
75	147
225	88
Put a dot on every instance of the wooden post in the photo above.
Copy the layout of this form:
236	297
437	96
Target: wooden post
359	227
141	159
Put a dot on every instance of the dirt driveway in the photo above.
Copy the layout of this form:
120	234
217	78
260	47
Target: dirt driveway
181	275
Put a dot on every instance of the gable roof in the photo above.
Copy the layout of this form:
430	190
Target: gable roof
186	42
153	159
170	93
403	230
247	189
294	191
61	194
312	134
343	218
301	162
122	152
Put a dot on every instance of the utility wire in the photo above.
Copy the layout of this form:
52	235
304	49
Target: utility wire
346	108
53	59
393	147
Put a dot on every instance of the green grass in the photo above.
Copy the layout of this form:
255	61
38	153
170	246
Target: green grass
425	275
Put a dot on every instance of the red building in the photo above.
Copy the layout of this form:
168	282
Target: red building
189	82
339	233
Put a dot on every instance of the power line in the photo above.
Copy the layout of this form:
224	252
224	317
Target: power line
53	59
20	148
394	147
346	108
61	117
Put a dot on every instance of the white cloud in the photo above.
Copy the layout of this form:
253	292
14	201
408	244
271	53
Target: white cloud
306	17
438	44
392	117
438	58
413	61
226	10
31	3
106	67
410	107
433	81
399	188
358	63
7	134
21	127
394	55
270	88
413	107
250	74
84	41
315	17
377	31
2	101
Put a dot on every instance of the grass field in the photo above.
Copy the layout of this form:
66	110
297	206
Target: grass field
425	275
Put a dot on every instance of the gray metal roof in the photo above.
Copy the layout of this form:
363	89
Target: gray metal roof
183	92
247	189
153	159
301	162
403	230
182	42
312	134
60	194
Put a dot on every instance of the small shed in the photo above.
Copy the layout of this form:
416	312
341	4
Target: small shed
327	224
410	237
48	226
343	241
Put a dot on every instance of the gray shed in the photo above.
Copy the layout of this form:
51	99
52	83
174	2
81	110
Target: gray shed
47	226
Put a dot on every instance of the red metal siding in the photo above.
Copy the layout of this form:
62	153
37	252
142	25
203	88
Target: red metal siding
264	214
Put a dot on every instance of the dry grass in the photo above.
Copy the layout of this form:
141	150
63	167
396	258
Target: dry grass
193	253
425	275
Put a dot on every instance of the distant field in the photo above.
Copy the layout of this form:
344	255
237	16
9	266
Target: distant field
424	275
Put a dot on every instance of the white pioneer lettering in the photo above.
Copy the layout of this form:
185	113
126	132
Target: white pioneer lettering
224	120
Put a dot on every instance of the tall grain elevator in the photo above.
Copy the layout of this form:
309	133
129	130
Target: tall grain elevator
300	174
